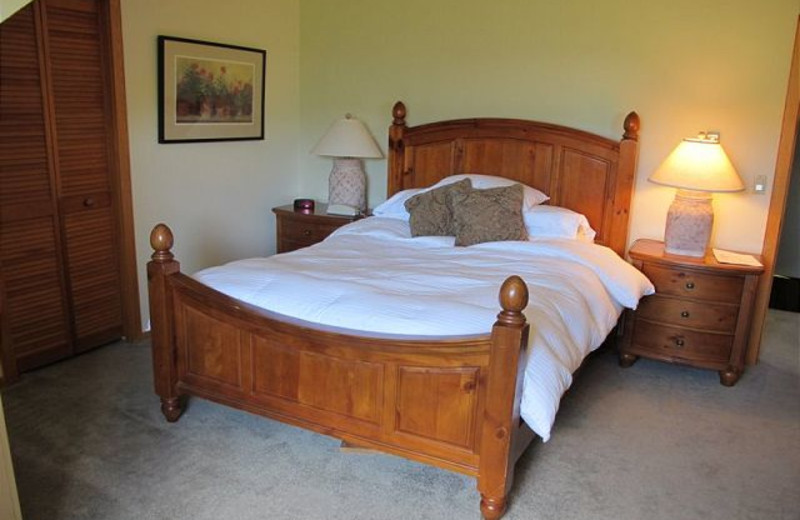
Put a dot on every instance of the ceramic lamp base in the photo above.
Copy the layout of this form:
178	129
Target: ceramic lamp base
347	184
689	222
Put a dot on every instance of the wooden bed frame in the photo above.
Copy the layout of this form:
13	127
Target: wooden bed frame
452	402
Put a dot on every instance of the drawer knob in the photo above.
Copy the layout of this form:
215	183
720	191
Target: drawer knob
689	285
88	202
685	314
307	232
679	342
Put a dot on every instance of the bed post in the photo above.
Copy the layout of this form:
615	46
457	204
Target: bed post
162	265
396	149
625	179
503	393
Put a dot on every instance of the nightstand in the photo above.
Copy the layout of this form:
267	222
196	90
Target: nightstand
699	316
298	229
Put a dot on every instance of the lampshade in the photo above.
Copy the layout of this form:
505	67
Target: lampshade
696	167
348	137
698	164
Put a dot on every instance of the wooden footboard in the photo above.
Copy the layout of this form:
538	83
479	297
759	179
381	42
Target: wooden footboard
452	402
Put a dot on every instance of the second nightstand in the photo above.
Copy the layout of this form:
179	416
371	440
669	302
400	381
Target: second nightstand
699	316
297	229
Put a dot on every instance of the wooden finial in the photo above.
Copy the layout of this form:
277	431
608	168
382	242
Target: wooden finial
399	113
631	126
161	241
513	299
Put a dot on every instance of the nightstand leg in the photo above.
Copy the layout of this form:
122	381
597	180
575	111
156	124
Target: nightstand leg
626	360
728	377
172	408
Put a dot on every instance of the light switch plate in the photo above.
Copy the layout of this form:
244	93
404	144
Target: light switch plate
760	185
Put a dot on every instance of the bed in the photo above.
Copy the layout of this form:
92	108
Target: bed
451	400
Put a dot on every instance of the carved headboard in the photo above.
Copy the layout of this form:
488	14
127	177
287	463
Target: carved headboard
584	172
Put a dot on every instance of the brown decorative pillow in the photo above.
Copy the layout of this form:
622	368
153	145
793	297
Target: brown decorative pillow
430	213
489	215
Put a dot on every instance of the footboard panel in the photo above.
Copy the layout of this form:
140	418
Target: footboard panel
349	388
421	397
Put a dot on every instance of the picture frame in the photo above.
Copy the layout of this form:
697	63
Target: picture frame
209	91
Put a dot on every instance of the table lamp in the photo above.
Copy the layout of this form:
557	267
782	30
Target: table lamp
697	167
348	141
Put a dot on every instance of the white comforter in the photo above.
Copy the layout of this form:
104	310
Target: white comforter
372	276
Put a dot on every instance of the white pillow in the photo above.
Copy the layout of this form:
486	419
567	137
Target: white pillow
395	207
556	222
533	197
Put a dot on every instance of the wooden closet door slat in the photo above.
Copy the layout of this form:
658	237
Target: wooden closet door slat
30	257
82	129
77	78
95	292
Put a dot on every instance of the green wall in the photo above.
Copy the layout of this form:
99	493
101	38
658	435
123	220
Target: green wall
683	65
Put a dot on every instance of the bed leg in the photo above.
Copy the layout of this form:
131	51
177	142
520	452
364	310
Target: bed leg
165	369
503	395
492	508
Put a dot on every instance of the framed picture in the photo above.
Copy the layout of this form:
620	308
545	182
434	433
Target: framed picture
209	91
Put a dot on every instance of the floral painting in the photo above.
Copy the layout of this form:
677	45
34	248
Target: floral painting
209	91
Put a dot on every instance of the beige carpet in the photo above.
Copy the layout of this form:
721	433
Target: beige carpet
654	441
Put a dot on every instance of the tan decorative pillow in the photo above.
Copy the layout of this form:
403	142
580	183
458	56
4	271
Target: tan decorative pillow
430	213
489	215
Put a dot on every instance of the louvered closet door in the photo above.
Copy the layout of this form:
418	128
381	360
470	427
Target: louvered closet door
30	252
82	130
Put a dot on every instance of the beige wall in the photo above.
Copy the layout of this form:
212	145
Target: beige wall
683	65
216	197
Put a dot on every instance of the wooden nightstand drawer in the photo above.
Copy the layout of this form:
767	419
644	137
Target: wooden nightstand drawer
677	344
304	232
288	244
691	284
688	313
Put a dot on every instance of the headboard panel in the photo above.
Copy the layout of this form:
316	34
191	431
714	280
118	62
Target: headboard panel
578	170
